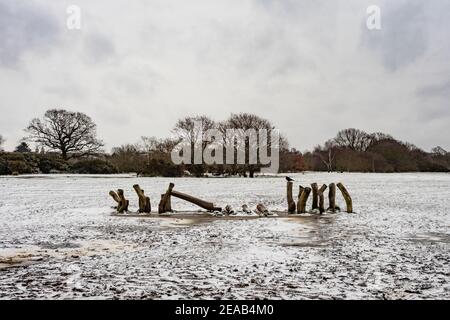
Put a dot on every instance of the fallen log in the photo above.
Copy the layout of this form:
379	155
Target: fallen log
332	197
347	198
321	198
123	203
303	199
163	203
290	200
315	196
199	202
144	202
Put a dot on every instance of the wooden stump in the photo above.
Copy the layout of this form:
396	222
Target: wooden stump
228	209
246	209
315	196
123	203
290	200
332	197
261	209
303	199
168	207
163	203
321	198
114	195
300	191
347	198
144	202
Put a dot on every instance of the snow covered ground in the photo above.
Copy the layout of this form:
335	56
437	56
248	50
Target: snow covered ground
58	240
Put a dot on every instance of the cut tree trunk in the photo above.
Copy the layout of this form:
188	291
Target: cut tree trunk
315	196
332	197
290	200
347	198
144	202
114	195
261	209
123	203
199	202
168	206
246	209
163	203
300	191
303	199
228	209
321	198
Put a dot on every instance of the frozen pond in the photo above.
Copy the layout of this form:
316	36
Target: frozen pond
58	240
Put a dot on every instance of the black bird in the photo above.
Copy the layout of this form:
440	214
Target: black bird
289	179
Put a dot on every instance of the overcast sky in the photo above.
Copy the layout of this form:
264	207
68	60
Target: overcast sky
312	67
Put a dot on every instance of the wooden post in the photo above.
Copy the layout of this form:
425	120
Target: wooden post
347	198
144	202
315	196
163	203
321	198
300	191
114	195
290	200
123	203
303	199
332	197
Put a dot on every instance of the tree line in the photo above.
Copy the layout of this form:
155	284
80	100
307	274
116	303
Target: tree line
354	150
66	141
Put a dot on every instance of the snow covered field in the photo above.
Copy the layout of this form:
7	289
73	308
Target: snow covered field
58	240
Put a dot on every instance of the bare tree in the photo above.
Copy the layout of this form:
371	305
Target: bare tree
327	154
128	158
187	130
243	122
193	130
439	151
71	133
378	136
153	146
354	139
23	147
1	142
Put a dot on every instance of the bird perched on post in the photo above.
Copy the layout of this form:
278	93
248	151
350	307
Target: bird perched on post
289	179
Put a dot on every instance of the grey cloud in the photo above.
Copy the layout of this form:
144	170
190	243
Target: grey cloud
434	112
294	61
435	101
66	91
403	36
24	27
437	90
98	48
